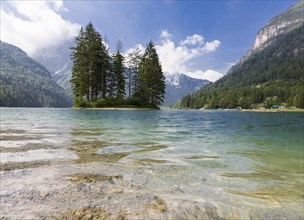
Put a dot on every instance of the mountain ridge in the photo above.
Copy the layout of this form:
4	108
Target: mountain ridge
26	83
288	20
285	22
179	84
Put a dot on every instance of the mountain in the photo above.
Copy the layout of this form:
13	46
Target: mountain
272	71
178	85
26	83
285	22
57	61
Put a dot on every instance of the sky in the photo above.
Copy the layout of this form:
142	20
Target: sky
202	39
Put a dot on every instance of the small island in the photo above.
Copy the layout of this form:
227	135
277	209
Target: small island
99	81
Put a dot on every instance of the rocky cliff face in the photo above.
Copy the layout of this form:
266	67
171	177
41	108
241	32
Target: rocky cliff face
283	23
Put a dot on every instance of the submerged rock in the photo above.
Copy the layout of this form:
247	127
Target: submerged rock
86	213
159	205
22	165
91	178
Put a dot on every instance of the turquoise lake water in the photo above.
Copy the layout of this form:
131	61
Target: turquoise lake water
202	164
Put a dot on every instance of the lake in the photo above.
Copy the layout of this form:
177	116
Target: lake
60	163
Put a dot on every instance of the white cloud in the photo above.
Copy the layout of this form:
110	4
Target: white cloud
165	35
139	46
177	58
211	46
58	5
193	40
35	25
210	75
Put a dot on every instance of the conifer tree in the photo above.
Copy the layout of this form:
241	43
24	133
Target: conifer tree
111	81
133	64
96	75
151	81
118	73
79	78
90	65
105	72
94	57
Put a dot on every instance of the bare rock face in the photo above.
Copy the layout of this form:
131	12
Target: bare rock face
267	33
285	22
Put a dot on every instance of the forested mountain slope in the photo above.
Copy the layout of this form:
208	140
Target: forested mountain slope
26	83
272	70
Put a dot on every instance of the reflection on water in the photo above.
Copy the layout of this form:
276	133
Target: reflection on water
151	164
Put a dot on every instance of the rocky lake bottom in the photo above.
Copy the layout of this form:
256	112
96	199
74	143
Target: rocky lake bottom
74	164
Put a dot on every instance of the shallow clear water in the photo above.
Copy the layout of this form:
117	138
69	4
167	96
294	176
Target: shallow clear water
208	164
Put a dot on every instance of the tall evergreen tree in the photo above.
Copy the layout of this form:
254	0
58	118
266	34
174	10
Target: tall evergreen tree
118	73
95	53
105	71
90	64
79	57
134	58
151	81
111	81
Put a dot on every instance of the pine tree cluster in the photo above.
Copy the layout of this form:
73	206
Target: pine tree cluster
98	77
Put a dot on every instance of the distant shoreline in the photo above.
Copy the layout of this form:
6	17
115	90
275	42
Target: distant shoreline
147	109
258	110
273	110
117	108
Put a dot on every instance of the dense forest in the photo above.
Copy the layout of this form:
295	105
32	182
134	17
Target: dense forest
272	76
26	83
102	80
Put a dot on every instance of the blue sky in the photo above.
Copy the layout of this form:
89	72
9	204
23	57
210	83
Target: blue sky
219	32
